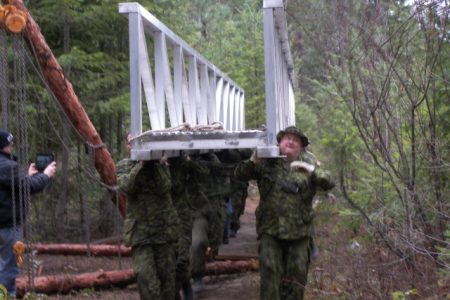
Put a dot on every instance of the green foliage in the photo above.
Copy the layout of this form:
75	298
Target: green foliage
231	36
87	291
444	257
3	292
399	295
34	296
374	100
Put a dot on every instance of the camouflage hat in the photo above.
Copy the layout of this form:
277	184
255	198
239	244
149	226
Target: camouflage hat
293	130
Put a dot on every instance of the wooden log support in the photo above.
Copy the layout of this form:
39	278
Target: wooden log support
82	249
65	283
232	267
65	94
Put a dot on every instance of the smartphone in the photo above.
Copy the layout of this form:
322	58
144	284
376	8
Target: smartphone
43	160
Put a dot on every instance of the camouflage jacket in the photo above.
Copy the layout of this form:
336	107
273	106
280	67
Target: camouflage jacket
214	183
179	175
151	217
285	208
238	189
197	199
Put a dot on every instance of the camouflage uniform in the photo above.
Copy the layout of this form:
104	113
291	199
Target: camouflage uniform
284	223
201	211
180	200
151	226
236	192
216	189
238	195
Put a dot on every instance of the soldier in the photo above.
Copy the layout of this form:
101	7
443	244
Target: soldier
202	212
179	174
285	215
216	189
235	191
151	225
238	192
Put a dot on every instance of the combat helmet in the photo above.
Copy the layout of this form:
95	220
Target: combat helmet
296	131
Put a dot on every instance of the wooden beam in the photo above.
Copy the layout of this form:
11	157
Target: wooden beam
65	283
82	249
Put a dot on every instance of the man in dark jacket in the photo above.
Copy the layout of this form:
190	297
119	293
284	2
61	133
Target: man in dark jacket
11	210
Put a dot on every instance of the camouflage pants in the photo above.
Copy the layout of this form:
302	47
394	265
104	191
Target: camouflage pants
183	270
154	265
283	267
238	203
199	246
217	223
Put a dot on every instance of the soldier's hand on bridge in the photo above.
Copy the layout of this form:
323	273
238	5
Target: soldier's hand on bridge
254	158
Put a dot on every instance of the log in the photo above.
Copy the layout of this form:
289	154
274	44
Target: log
114	250
82	249
65	283
231	267
236	257
65	94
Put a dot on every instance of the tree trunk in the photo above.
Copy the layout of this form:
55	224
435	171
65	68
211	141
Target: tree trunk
82	249
231	267
64	93
65	283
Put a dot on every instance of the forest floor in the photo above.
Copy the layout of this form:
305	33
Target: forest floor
345	269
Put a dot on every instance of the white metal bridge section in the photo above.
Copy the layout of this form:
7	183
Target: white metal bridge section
196	95
279	71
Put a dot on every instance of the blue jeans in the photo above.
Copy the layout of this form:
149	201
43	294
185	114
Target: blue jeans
8	266
226	229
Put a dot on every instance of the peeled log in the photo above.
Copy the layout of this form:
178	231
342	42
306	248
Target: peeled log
65	94
232	267
66	283
82	249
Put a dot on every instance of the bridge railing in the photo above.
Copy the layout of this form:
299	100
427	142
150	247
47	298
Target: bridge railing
279	71
193	92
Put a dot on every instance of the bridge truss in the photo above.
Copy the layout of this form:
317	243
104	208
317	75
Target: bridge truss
205	108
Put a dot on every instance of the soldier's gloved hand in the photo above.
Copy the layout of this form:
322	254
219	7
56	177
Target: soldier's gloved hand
254	158
302	166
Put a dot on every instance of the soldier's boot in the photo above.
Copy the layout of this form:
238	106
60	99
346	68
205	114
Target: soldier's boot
188	294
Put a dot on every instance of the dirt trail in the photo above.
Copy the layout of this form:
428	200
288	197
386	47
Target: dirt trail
243	286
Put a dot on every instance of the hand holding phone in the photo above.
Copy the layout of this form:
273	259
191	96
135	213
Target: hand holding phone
43	160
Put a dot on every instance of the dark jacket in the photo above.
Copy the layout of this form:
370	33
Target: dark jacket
10	173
